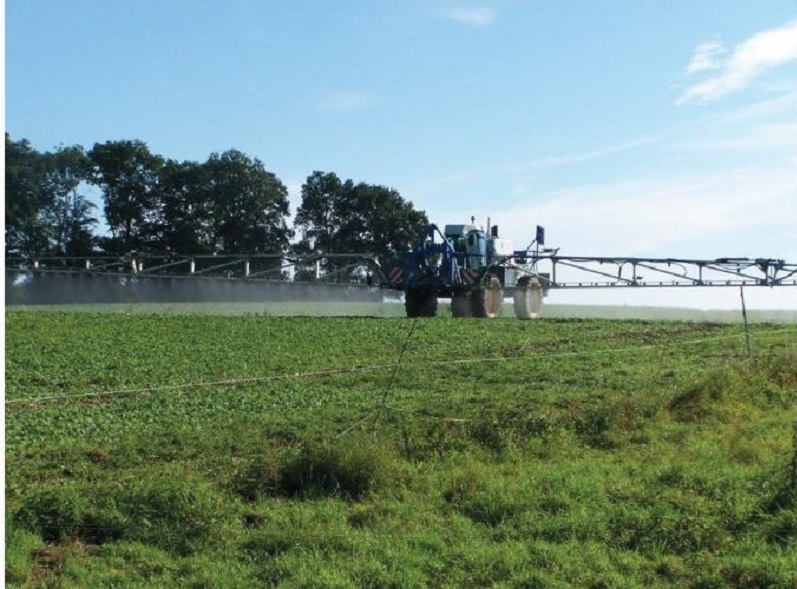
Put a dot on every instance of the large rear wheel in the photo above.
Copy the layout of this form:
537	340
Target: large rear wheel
528	298
420	303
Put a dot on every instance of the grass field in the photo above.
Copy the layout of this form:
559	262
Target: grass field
180	450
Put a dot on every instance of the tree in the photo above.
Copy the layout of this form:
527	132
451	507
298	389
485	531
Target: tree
340	217
387	222
187	211
321	215
45	211
68	212
127	173
80	237
249	205
322	219
25	233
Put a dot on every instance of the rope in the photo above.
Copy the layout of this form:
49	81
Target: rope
382	403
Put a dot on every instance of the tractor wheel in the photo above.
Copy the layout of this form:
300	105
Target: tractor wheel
489	301
461	306
528	298
420	303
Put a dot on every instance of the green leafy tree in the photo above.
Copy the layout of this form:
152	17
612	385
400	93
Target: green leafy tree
128	173
187	212
68	215
46	213
385	221
322	214
340	217
323	219
80	236
248	204
25	231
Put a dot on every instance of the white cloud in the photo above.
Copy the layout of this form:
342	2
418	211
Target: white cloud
707	57
765	130
749	59
346	100
775	135
576	158
702	216
454	180
475	17
783	106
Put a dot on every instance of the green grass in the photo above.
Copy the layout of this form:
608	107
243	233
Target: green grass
237	451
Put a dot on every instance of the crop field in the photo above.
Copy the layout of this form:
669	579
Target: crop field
188	450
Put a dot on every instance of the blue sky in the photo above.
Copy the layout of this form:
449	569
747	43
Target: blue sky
626	127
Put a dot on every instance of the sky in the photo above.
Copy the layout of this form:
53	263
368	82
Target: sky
657	128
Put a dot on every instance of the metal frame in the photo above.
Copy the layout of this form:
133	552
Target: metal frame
592	272
584	271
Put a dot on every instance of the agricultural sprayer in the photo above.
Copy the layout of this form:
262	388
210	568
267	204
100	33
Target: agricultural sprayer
477	270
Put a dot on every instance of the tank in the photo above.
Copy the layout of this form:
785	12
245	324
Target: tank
476	248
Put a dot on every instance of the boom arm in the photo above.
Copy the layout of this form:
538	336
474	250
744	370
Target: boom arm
617	272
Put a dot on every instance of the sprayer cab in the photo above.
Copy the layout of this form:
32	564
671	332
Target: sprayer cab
478	249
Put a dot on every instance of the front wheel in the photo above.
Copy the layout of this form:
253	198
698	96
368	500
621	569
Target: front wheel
488	301
528	298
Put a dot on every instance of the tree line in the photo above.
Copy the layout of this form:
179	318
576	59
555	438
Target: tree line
228	204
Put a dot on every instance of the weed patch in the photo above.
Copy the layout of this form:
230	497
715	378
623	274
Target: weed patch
781	369
478	492
176	515
65	512
180	516
260	478
427	439
703	401
21	546
350	468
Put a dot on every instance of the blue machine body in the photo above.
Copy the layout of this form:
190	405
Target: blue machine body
449	263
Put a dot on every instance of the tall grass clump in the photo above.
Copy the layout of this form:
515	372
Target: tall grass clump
178	515
75	511
777	514
770	380
20	546
483	495
348	468
703	400
781	369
